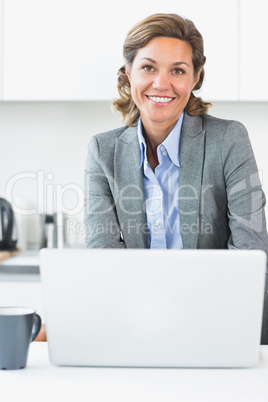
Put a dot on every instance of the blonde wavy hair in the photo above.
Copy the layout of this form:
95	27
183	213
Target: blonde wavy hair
167	25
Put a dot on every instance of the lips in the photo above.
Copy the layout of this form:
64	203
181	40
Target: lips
160	99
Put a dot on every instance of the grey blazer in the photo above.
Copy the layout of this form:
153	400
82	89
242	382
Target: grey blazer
221	202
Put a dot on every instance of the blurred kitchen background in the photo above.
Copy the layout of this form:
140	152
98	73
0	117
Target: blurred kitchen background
58	66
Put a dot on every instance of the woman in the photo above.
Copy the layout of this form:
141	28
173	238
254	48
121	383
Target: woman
174	176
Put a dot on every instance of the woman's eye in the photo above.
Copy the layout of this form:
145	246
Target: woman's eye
148	68
178	71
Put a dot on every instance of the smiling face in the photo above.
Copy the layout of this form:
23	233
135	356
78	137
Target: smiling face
162	78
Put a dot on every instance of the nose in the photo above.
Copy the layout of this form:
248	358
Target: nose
161	81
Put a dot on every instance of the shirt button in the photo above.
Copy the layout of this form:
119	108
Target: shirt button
164	153
162	148
157	222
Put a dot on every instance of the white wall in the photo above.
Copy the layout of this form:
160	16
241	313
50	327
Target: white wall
44	144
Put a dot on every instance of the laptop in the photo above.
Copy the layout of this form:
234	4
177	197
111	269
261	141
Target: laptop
153	308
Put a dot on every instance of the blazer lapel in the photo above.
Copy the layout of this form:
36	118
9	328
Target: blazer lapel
129	189
191	171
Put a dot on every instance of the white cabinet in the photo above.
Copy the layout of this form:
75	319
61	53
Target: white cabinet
253	50
218	23
58	50
72	49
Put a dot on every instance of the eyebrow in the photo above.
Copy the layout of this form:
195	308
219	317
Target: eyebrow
178	63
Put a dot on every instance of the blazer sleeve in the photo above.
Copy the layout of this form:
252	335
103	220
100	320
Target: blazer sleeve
245	197
246	201
100	218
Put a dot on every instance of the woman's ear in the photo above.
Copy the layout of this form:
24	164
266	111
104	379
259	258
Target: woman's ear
197	78
127	69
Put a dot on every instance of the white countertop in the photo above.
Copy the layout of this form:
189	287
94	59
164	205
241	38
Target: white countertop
21	267
41	381
26	258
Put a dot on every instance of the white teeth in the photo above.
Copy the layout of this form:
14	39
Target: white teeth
158	99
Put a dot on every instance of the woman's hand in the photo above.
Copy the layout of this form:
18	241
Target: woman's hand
42	336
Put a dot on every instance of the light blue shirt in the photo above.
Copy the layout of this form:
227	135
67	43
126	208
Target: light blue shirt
161	189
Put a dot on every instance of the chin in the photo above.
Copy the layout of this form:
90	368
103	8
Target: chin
159	119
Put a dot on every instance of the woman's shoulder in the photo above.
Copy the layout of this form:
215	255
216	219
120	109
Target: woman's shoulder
111	135
217	130
222	126
225	134
107	140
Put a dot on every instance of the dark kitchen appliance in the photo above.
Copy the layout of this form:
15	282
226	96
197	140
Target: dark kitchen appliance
8	232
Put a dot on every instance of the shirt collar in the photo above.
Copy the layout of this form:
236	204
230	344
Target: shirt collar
171	143
142	143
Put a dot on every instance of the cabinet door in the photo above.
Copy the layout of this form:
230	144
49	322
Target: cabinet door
254	55
72	49
218	23
59	50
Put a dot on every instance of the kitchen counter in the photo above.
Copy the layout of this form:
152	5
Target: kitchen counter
26	258
25	263
41	381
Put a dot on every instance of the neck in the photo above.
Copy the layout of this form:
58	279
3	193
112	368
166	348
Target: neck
154	135
156	132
